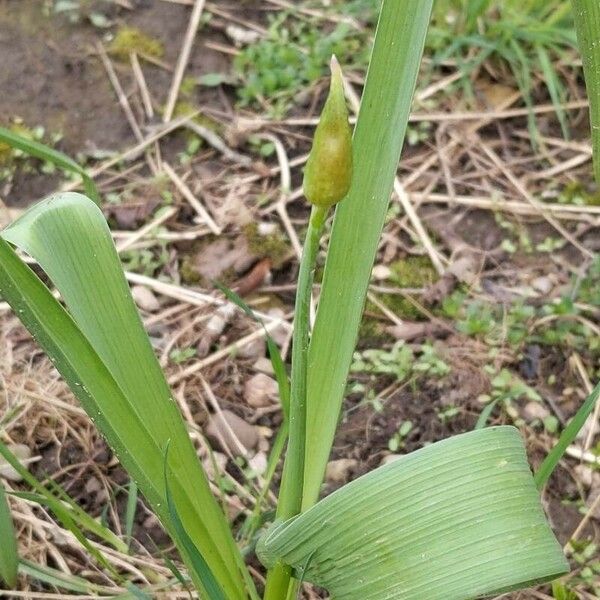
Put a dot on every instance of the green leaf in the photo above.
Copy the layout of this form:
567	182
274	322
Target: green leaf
566	438
60	580
587	25
9	559
105	355
130	509
43	152
211	585
456	520
358	223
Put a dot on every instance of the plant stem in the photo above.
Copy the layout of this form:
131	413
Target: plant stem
292	484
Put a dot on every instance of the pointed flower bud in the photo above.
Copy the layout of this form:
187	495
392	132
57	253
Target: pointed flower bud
328	172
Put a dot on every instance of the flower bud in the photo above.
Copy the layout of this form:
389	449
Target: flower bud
328	172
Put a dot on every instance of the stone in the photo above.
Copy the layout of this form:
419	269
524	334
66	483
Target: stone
218	460
543	285
227	431
259	463
535	410
338	470
260	391
23	454
145	299
253	349
390	458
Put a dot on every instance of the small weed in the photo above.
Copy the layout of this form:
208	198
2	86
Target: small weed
181	355
78	11
13	159
291	56
400	362
146	261
524	37
397	441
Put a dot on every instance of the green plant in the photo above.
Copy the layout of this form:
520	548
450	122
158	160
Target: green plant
525	36
293	54
456	519
36	149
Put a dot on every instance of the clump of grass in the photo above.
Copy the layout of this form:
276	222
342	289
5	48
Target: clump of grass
525	36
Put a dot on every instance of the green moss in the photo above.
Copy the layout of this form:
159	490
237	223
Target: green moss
576	193
130	40
184	108
188	273
413	272
371	332
273	246
187	87
409	272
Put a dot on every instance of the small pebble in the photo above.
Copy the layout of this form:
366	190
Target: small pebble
263	365
260	391
241	36
145	299
259	463
338	470
381	272
535	410
585	475
219	460
390	458
218	431
254	349
543	285
23	454
278	334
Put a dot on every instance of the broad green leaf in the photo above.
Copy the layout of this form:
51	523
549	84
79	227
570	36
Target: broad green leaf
456	520
9	560
43	152
587	25
358	223
105	356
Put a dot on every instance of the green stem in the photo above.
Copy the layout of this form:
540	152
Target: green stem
292	483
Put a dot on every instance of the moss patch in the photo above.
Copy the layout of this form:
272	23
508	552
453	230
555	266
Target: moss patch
413	272
273	245
130	40
576	193
409	272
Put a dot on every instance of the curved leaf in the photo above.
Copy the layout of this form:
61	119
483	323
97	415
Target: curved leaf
455	520
106	357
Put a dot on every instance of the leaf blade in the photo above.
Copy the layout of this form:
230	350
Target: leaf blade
68	236
455	520
358	223
587	25
9	559
43	152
